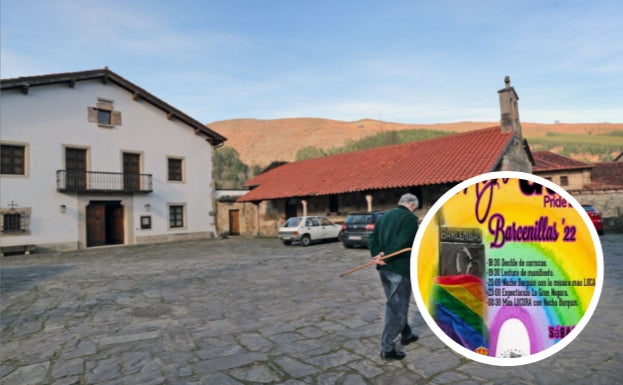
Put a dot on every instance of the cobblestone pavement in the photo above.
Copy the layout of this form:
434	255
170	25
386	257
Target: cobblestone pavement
247	311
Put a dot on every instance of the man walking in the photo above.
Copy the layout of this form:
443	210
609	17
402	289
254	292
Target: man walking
395	231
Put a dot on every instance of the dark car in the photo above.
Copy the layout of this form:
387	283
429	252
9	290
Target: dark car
595	217
358	227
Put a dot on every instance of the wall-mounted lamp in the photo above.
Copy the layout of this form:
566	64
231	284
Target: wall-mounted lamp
62	209
147	207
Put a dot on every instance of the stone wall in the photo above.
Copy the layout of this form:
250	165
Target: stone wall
575	179
516	158
247	217
608	202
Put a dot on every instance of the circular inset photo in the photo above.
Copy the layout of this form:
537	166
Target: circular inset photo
507	268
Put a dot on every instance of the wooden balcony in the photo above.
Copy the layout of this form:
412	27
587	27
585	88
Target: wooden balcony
75	181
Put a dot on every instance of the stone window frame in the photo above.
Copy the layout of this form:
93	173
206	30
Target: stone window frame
26	156
24	220
177	209
104	107
182	169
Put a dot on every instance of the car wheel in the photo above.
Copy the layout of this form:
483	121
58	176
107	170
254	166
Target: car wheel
287	243
347	245
305	240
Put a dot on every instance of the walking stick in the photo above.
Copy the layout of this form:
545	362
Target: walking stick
374	262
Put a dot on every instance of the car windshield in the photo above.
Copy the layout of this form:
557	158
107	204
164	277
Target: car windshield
292	222
353	219
588	208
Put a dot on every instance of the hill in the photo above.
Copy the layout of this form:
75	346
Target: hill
260	142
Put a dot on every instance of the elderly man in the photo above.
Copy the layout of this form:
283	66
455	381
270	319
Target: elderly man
395	231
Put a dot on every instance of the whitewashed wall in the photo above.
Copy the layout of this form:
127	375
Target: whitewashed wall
49	118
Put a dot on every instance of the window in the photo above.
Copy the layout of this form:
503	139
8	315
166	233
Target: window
13	160
176	216
14	220
103	117
11	223
310	222
564	181
175	169
104	113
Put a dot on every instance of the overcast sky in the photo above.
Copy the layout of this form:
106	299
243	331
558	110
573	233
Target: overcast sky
400	61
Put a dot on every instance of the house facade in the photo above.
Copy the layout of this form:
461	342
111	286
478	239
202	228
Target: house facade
568	173
235	218
605	193
597	184
374	179
91	159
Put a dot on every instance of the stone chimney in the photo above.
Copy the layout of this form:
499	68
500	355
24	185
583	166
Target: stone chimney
508	108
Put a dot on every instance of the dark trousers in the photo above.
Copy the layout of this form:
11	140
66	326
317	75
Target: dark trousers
398	293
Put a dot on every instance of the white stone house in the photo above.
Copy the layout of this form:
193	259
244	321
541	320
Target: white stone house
91	159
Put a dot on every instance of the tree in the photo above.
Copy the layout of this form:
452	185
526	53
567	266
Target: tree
229	171
309	152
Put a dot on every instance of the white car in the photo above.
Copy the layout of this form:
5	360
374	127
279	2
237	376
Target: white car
307	230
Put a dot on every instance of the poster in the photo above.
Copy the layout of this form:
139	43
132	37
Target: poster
507	268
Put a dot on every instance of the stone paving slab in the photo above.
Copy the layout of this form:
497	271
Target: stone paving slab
247	311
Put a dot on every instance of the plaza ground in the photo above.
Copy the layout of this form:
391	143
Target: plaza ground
248	311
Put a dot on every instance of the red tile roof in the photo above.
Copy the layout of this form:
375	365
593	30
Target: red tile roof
447	159
548	161
607	175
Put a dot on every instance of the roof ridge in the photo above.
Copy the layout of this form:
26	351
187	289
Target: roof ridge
445	159
58	74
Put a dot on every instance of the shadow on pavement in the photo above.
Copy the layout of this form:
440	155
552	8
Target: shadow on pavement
26	277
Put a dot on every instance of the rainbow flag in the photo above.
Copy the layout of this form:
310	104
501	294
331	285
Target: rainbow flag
459	308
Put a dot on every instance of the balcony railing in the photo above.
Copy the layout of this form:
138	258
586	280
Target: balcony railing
102	182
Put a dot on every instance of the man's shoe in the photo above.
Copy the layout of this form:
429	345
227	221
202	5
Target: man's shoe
393	355
408	340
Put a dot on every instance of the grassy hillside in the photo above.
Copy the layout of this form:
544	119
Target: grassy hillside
585	147
260	142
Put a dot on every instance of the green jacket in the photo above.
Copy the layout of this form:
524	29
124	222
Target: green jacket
394	231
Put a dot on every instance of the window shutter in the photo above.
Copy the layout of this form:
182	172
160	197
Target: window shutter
115	118
92	114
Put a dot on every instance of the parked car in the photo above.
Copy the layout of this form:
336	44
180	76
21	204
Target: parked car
595	218
307	230
357	228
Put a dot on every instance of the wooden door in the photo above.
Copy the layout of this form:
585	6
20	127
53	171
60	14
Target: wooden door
131	171
234	222
96	225
105	224
76	166
114	224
